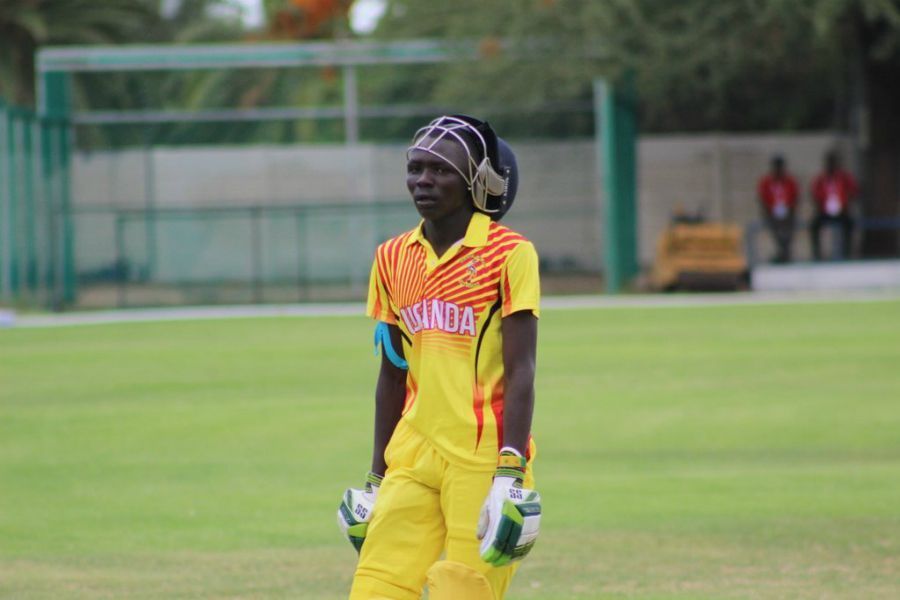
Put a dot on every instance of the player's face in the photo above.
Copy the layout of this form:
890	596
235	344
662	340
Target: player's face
437	189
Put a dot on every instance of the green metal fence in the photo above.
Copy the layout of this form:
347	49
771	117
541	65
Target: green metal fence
182	200
36	257
234	255
251	254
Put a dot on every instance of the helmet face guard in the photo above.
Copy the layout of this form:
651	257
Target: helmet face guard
490	173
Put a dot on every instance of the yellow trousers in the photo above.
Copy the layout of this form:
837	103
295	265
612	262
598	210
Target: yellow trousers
426	507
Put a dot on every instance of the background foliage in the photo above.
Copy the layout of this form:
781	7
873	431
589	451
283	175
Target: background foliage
700	65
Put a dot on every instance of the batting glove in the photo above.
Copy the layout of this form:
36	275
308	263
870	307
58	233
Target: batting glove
355	511
511	515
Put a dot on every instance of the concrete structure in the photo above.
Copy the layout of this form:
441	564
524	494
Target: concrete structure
821	277
558	204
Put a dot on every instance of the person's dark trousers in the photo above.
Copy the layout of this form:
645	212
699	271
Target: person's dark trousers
815	230
783	234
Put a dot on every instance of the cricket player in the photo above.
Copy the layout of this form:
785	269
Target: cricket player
449	501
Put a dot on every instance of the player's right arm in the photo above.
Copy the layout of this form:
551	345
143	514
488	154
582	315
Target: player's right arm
355	510
357	505
390	393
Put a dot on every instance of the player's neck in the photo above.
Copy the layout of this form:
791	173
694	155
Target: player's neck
442	234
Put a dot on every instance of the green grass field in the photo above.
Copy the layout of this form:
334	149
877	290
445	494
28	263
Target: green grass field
717	452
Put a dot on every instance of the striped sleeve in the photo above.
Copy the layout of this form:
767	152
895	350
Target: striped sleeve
520	282
378	305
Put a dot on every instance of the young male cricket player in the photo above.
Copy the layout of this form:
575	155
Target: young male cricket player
448	502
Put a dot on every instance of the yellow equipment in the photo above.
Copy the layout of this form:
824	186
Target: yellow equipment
700	256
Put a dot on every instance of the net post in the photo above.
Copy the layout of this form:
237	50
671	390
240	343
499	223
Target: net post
6	207
13	196
54	101
615	143
28	193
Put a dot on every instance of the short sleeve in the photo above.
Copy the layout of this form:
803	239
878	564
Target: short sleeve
378	305
520	283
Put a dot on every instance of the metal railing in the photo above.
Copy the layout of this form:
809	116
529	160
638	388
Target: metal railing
229	254
137	256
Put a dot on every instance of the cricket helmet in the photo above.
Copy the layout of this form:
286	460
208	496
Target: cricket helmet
491	172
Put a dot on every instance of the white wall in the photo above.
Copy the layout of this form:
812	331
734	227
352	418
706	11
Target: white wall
558	205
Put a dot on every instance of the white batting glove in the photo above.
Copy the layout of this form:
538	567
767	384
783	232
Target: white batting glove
510	517
355	511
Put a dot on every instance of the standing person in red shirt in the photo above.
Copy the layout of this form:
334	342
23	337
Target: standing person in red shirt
778	197
832	192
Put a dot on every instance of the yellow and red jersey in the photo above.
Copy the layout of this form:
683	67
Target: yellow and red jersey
449	311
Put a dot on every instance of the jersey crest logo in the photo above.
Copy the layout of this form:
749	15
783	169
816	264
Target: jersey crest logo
472	271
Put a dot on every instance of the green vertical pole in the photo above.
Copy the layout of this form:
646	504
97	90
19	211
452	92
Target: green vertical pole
69	281
627	148
616	133
12	209
51	211
30	224
5	208
40	213
54	102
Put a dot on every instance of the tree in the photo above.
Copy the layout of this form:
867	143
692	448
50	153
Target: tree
700	65
25	25
870	32
306	19
204	89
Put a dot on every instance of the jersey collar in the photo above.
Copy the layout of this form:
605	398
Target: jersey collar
476	233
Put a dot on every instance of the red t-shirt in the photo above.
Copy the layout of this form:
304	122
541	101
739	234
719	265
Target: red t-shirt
778	194
832	192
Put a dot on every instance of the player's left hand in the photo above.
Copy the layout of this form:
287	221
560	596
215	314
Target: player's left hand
509	523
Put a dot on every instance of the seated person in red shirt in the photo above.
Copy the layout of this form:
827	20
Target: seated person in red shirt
832	192
778	198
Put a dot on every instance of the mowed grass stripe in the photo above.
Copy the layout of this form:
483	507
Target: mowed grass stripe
709	452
